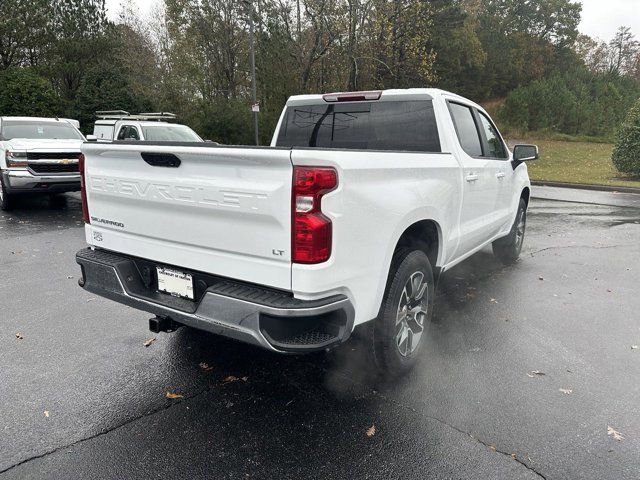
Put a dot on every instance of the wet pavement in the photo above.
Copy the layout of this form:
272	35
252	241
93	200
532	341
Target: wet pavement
530	372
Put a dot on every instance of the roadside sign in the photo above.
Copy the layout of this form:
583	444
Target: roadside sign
255	107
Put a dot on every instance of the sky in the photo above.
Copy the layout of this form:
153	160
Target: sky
600	18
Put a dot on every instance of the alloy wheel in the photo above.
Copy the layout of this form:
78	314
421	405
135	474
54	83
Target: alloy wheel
411	314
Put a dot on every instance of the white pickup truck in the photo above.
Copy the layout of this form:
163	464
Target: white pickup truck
360	202
38	155
121	125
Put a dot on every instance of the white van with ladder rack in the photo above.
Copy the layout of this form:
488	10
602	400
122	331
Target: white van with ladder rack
154	127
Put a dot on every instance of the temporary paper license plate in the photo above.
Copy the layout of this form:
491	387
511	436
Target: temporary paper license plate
175	283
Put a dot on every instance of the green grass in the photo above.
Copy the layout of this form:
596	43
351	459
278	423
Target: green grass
577	162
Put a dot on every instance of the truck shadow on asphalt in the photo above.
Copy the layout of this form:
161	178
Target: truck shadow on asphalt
349	370
38	213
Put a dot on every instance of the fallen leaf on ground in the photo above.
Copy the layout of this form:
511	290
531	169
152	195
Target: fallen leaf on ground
493	300
614	434
230	378
371	431
244	379
206	367
566	391
149	342
536	373
46	413
492	448
173	395
19	336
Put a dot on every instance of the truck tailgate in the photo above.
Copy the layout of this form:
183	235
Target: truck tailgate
223	210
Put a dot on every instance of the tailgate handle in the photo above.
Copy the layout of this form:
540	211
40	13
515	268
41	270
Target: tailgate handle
168	160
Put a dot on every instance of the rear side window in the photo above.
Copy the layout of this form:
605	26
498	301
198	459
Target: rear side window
466	129
408	125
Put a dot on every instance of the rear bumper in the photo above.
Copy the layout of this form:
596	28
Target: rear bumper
260	316
23	181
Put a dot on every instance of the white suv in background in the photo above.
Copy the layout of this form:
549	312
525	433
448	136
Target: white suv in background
121	125
38	155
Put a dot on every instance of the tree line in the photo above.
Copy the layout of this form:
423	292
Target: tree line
191	57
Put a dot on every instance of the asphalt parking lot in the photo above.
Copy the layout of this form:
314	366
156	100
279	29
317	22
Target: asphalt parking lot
531	371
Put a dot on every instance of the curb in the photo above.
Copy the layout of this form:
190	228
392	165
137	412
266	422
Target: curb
578	186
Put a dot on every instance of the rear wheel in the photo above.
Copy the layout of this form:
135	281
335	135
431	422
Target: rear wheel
399	331
507	249
5	198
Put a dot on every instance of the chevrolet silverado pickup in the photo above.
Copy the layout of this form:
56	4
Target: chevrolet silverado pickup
345	220
38	155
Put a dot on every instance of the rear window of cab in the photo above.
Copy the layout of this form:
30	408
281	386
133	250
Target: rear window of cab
378	125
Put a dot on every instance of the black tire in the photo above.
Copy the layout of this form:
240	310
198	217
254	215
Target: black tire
6	199
507	249
391	356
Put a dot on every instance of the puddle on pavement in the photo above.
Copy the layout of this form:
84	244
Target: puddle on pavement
35	214
584	213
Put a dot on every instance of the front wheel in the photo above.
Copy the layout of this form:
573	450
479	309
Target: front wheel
399	332
507	249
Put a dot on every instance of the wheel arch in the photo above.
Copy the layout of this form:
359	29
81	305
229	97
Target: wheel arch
526	195
424	235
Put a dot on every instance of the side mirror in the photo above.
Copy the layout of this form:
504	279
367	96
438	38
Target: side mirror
91	138
525	153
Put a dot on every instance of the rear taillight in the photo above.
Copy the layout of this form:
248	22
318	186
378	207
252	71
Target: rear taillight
311	230
83	190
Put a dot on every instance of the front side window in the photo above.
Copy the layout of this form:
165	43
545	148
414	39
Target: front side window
122	133
466	129
493	143
133	134
391	125
31	129
128	133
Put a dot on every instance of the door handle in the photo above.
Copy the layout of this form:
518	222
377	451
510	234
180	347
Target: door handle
500	175
472	177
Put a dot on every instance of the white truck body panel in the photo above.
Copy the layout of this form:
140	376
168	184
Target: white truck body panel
377	199
224	211
227	211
